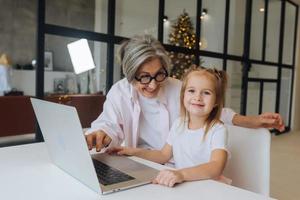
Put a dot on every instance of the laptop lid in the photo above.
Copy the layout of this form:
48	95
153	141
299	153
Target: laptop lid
65	141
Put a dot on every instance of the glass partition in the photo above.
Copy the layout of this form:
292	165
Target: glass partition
59	74
89	15
269	94
17	74
99	74
253	98
233	94
289	33
174	11
118	72
135	17
18	44
263	71
212	25
236	27
19	35
273	31
285	94
257	29
210	62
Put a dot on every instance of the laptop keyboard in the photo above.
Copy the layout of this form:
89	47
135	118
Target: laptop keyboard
108	175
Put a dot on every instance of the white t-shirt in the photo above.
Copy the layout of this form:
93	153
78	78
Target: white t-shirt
189	147
121	116
151	137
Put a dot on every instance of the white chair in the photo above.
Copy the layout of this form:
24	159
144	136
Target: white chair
249	165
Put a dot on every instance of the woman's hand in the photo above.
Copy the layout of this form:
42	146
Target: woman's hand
169	178
129	151
264	120
98	139
271	120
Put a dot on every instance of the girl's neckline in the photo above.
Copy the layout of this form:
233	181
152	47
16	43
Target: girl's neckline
194	129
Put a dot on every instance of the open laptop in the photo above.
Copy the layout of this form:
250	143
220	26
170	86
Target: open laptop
68	150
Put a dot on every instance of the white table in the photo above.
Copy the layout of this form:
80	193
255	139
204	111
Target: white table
26	173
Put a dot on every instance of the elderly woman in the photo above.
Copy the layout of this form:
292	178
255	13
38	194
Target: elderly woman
140	109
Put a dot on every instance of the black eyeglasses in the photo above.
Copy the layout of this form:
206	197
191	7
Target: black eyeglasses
158	77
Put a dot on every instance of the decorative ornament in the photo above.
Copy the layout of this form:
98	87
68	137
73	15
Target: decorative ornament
182	34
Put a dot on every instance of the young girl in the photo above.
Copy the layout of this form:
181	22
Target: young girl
197	140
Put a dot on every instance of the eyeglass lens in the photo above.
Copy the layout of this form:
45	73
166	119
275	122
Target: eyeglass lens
159	77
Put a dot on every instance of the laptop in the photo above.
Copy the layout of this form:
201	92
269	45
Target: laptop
66	144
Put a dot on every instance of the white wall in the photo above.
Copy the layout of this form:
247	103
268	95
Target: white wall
24	80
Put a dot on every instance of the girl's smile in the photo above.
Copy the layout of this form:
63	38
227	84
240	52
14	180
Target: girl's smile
199	96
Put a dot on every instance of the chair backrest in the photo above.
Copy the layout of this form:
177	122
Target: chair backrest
249	165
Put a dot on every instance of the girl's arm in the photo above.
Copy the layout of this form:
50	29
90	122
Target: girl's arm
210	170
213	169
159	156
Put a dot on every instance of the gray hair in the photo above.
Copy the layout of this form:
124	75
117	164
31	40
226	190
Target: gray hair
138	50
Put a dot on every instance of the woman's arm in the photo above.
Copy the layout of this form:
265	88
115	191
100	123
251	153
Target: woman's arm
210	170
106	129
159	156
264	120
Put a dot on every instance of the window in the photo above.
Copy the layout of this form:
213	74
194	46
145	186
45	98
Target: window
259	57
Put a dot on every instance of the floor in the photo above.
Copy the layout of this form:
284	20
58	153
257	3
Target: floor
285	166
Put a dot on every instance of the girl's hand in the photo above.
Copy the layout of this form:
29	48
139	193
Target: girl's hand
168	178
129	151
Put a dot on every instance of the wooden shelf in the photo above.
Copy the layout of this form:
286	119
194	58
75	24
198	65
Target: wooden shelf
17	116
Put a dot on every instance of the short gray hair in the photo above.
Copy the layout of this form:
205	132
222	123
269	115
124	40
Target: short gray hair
138	50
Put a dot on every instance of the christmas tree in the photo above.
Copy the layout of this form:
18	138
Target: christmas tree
183	34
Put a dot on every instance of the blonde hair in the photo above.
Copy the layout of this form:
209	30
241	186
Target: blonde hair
5	60
220	80
138	50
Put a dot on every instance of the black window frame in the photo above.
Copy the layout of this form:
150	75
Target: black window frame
111	39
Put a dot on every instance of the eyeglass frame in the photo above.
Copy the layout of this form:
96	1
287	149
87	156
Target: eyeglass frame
165	72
